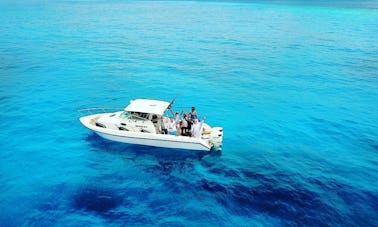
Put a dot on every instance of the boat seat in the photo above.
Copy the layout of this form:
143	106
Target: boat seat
93	121
206	132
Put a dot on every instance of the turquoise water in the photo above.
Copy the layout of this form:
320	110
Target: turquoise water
295	87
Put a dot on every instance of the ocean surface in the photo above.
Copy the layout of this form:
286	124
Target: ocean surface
294	84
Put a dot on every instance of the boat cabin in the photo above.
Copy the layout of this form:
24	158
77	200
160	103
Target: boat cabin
141	115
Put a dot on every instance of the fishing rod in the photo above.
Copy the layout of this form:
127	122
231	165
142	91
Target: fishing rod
171	103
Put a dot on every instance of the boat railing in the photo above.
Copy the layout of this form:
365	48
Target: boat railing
98	110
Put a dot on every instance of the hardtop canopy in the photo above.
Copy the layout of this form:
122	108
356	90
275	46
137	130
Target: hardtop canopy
147	106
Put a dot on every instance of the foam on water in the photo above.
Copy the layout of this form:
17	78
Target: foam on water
294	86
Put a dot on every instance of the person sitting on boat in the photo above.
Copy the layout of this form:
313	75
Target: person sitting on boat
172	127
196	129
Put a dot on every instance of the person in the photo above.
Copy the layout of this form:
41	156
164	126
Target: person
161	128
172	127
191	117
159	124
196	129
177	123
184	125
165	125
177	118
193	114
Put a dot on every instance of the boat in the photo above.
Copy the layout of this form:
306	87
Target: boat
142	123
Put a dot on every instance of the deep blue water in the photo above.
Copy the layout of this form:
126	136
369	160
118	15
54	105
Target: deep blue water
295	87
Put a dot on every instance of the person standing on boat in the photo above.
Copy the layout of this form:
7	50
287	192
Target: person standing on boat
165	125
191	117
177	123
196	129
161	126
184	125
193	114
177	118
172	127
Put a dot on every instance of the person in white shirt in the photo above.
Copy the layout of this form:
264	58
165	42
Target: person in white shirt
196	128
177	118
177	122
172	127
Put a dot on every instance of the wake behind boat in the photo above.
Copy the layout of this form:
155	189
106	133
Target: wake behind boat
146	122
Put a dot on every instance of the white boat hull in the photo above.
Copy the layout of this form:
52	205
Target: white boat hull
148	139
155	143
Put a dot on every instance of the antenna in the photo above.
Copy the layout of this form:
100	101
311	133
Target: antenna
173	100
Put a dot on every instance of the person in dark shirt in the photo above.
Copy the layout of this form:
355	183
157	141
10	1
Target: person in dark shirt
191	117
193	114
184	125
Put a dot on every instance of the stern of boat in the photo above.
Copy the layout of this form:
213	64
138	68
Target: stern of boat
214	136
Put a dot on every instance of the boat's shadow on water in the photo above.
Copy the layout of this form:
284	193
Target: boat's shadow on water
113	200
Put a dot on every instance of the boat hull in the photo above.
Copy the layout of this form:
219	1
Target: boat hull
154	143
147	139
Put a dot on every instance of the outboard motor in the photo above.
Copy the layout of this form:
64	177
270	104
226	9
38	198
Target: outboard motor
216	138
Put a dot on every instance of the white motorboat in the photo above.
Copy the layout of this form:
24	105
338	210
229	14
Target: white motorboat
143	121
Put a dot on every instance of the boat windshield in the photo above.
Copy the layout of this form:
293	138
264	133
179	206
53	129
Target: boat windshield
133	115
125	115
